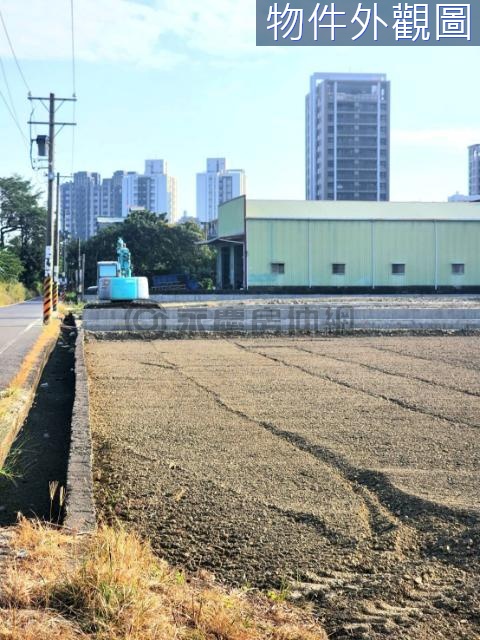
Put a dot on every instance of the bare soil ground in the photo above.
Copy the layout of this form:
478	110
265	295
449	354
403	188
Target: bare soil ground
342	470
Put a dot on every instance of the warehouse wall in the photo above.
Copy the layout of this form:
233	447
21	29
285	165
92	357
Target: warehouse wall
409	242
308	248
231	218
459	242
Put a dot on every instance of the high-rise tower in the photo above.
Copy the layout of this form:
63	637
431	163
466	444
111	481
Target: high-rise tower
216	186
474	170
348	137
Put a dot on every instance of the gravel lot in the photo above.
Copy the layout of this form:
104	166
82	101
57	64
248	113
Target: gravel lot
345	469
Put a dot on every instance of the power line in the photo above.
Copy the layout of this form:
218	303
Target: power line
2	67
72	23
72	14
34	168
14	118
12	111
13	52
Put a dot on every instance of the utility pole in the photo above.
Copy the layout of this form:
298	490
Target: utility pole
56	248
64	253
47	283
79	271
49	256
82	283
57	252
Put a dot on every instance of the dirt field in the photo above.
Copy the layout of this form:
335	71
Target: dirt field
342	470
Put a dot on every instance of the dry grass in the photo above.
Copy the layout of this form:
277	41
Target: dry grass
12	292
111	586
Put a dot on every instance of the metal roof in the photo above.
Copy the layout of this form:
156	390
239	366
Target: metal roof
361	210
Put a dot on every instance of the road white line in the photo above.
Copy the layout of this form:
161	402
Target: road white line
12	342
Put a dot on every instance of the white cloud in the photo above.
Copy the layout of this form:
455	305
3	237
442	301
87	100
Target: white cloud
159	34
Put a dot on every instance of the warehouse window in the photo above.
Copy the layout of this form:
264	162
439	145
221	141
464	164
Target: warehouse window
278	267
458	268
398	268
338	268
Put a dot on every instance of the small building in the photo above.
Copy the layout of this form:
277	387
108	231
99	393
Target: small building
341	246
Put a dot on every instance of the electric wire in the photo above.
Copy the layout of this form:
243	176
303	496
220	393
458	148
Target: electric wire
36	179
74	82
14	118
4	74
72	15
22	75
34	168
13	112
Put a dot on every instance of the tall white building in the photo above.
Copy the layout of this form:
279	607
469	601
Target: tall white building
348	137
155	191
215	186
474	169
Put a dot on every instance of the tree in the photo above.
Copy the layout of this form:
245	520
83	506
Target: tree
156	247
23	227
10	266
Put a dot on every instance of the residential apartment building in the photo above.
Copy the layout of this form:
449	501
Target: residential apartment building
86	199
111	202
215	186
80	204
347	133
474	170
155	190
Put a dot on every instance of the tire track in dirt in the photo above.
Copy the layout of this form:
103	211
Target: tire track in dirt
308	518
458	363
389	373
374	487
381	489
401	403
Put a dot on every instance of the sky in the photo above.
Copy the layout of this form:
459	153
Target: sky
183	81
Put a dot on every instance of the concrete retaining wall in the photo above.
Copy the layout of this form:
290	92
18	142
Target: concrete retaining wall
283	318
80	505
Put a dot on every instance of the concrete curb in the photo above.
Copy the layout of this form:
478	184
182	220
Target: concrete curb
80	504
282	318
11	423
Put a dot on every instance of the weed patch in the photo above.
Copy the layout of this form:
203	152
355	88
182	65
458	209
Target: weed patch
111	586
12	292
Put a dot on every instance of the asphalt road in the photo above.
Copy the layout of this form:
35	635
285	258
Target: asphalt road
20	326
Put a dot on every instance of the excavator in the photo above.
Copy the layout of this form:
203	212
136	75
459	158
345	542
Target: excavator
115	280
